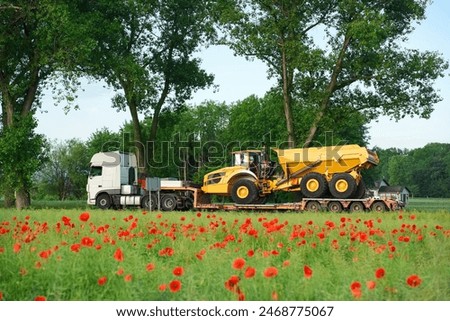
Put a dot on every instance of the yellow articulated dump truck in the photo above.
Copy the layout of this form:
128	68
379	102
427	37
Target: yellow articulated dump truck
318	172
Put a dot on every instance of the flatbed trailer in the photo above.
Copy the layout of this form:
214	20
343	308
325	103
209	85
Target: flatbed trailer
201	201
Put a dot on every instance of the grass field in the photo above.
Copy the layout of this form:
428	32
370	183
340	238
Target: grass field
74	254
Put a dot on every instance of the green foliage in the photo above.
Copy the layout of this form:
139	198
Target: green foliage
21	155
333	56
63	175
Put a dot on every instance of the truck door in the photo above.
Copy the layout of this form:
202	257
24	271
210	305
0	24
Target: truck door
95	183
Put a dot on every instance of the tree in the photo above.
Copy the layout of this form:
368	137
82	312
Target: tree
38	39
145	52
277	32
361	66
63	175
21	154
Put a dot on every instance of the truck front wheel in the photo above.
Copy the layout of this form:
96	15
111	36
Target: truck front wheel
104	201
244	191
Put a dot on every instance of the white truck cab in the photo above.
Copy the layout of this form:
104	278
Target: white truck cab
113	174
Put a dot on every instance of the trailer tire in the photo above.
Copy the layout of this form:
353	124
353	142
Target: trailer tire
149	203
314	185
342	185
356	207
313	206
244	191
335	207
104	201
378	206
168	202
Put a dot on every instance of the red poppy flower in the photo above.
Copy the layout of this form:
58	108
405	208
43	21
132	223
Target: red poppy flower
162	287
355	285
356	293
120	271
274	296
45	254
250	253
238	263
150	267
414	280
231	283
307	272
118	255
17	247
355	288
40	298
1	296
87	241
250	272
84	217
128	278
75	247
175	286
370	285
178	271
270	272
379	273
101	281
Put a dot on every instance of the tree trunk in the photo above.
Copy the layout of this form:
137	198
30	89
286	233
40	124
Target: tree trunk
22	198
8	198
328	92
155	119
138	140
287	100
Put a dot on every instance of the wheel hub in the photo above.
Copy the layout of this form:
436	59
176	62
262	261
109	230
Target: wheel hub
341	185
312	185
242	192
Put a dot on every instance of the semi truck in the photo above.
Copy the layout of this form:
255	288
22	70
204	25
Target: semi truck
325	178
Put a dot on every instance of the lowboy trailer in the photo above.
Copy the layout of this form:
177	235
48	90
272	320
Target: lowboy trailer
113	183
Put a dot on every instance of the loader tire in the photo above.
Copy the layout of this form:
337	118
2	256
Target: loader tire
244	191
342	185
314	185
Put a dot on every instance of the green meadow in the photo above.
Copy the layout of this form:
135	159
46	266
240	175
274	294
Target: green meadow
73	254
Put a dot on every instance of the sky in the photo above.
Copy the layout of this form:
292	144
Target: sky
238	78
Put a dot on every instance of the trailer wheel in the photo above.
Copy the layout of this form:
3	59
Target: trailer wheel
313	206
378	206
149	203
313	185
103	201
342	185
168	202
335	207
356	207
244	191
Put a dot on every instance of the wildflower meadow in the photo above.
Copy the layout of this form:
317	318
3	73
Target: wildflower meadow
127	255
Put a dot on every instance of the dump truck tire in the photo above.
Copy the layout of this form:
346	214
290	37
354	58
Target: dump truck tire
342	185
314	185
360	191
244	191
